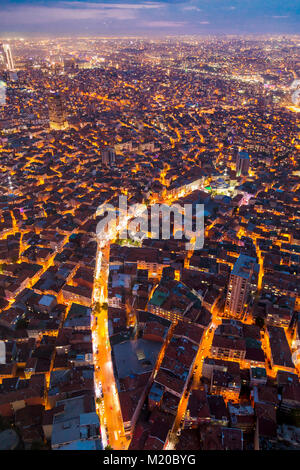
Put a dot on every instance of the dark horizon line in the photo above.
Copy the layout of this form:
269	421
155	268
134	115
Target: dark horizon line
4	35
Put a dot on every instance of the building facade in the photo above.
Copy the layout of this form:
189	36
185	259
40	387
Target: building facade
242	277
57	115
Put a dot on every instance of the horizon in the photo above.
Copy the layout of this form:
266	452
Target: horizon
257	36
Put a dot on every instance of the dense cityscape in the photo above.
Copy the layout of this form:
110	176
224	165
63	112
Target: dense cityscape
142	344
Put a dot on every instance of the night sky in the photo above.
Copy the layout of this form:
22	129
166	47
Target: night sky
130	17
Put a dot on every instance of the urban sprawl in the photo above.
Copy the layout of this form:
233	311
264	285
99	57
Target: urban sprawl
142	344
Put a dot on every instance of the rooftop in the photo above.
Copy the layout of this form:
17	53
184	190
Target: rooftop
135	357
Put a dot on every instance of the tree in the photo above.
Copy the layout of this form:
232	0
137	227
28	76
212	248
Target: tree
259	321
21	324
97	307
108	447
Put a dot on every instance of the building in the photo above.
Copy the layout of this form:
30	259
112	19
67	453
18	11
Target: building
242	164
197	411
57	115
108	156
2	93
76	425
8	57
228	348
226	384
242	277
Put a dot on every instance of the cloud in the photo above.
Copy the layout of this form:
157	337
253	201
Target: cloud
163	24
70	11
119	6
45	14
191	8
280	16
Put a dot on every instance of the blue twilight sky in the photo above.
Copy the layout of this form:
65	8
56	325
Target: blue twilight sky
130	17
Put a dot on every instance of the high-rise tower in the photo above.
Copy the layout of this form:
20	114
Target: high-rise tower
57	115
108	156
9	62
242	164
243	276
